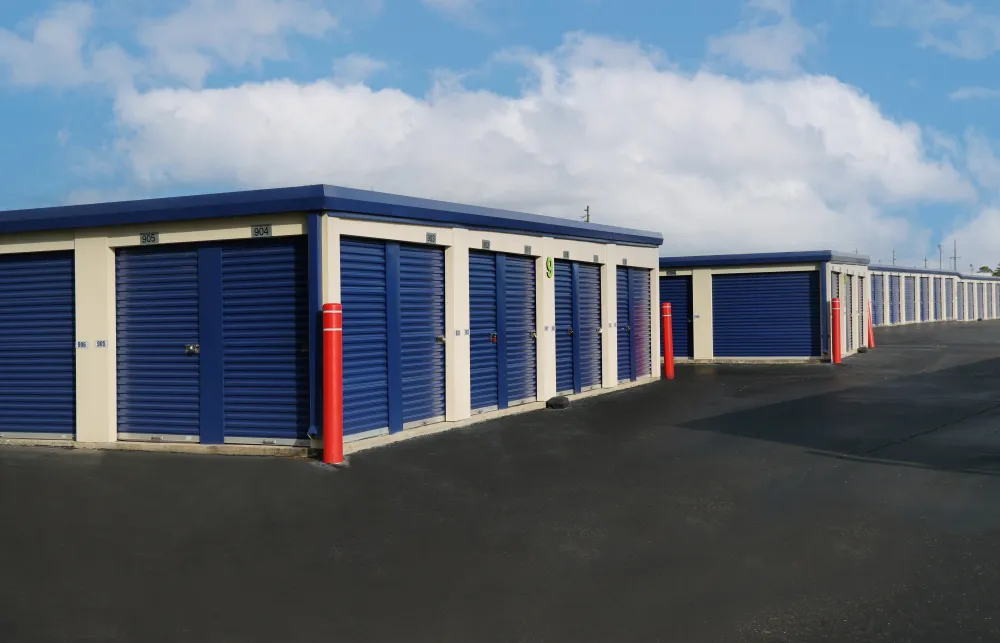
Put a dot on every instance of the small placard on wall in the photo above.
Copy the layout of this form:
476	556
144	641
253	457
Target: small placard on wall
81	344
148	238
486	244
260	231
565	254
432	237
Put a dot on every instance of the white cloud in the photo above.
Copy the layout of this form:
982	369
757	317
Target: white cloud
977	240
959	30
974	93
452	6
770	41
57	53
713	162
192	42
356	68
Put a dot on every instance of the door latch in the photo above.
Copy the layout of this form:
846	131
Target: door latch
570	331
493	337
628	329
534	335
440	339
192	349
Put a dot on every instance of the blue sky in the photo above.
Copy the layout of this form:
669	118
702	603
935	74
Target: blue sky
728	125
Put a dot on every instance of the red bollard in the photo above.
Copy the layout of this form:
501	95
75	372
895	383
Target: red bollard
668	341
835	353
871	327
333	383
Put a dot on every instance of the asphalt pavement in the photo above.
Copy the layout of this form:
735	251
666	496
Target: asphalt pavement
737	503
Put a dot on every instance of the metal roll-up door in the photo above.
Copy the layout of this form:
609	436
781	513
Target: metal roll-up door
589	318
989	301
925	299
878	300
862	336
894	309
981	301
775	314
961	302
37	346
520	329
565	331
421	317
849	310
624	325
639	316
484	338
265	340
363	283
910	298
949	299
937	298
677	292
159	342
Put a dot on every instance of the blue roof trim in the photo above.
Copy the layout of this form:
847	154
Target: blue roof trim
760	258
315	198
931	271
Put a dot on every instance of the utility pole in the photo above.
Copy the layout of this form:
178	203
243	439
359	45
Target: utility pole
894	256
940	259
586	216
954	257
925	263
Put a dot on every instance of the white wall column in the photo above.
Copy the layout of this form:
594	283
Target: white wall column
545	320
458	394
701	306
609	317
96	365
654	324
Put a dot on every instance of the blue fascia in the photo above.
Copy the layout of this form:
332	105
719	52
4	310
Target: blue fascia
931	271
762	258
343	202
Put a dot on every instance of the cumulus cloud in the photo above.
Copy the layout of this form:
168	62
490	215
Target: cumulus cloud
959	30
713	162
356	68
771	40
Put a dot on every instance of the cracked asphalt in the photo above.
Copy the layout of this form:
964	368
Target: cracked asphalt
736	503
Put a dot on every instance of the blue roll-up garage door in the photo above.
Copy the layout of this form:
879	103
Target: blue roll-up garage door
989	301
589	318
925	299
938	296
421	317
981	301
394	370
878	300
624	325
37	360
961	301
520	345
484	338
502	320
949	299
910	298
366	347
265	334
640	319
970	303
677	292
894	299
159	380
565	326
849	310
772	314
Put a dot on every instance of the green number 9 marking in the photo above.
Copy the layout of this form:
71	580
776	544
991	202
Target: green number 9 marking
550	266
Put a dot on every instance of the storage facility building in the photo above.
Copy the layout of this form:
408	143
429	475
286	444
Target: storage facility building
914	295
763	307
197	319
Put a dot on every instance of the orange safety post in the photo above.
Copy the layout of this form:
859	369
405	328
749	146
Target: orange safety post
668	341
333	383
835	353
871	327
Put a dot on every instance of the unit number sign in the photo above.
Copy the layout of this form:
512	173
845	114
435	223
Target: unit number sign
259	231
550	266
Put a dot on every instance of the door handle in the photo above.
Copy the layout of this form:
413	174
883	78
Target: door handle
570	331
628	329
534	335
192	349
440	339
493	337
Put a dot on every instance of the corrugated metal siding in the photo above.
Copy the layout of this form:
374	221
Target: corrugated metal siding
564	326
483	327
772	314
849	310
156	293
640	319
677	292
970	303
894	288
589	317
521	351
265	330
878	300
37	359
937	298
949	299
961	302
925	299
366	369
910	295
421	314
624	325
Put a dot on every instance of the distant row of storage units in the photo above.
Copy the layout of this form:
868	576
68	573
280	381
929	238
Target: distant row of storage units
197	319
764	307
914	296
